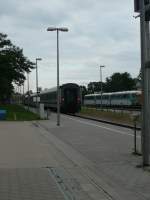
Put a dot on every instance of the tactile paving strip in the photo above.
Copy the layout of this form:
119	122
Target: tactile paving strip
28	184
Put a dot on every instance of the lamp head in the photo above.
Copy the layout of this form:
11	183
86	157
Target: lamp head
39	59
51	29
63	29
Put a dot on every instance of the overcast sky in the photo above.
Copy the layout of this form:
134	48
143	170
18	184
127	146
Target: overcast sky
101	32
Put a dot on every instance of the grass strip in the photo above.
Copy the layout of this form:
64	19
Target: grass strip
108	115
18	113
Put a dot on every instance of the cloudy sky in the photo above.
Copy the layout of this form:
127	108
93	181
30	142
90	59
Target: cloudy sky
101	32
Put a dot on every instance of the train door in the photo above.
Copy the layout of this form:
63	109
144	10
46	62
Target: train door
70	99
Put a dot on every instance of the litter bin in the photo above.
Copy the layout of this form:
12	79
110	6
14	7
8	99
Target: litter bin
3	114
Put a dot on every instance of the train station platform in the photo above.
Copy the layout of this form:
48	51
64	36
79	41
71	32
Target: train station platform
81	159
33	168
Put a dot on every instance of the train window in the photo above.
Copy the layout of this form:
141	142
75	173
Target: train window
87	98
112	97
116	96
128	96
98	97
44	97
134	95
104	97
125	96
91	98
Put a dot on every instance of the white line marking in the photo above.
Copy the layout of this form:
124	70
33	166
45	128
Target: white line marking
104	127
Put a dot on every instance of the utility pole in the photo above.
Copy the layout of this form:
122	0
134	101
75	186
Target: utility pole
37	86
23	93
143	7
28	88
101	81
23	88
63	29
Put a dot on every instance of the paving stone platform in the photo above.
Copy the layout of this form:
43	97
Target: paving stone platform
28	184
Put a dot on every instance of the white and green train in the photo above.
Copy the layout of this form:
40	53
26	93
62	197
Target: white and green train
114	99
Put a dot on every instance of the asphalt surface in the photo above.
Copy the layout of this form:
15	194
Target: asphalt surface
109	150
80	160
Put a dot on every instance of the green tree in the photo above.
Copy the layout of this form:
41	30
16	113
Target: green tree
83	90
95	87
138	81
13	65
120	82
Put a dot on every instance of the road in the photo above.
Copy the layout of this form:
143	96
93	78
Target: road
106	151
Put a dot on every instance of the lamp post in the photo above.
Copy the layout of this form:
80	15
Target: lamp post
101	66
23	93
28	87
63	29
37	59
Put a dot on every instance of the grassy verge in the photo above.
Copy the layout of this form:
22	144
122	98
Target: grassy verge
118	117
18	113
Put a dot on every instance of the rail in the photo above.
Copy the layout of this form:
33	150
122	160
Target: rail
105	121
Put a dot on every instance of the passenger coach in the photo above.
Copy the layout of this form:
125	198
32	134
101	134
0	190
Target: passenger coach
114	99
70	101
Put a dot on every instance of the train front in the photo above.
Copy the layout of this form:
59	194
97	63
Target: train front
70	98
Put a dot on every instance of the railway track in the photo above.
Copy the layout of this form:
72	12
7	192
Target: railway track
106	121
135	108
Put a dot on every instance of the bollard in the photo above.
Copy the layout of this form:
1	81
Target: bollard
135	119
48	113
135	149
42	112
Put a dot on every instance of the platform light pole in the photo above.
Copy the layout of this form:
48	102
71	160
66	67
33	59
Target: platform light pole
143	7
28	87
23	88
37	59
101	79
23	93
63	29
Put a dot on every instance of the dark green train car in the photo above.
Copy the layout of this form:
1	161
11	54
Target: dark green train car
70	98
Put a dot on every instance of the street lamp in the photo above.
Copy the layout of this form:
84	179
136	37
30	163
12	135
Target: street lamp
28	87
101	66
37	59
63	29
